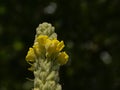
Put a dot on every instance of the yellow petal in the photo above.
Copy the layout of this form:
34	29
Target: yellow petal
60	46
48	44
55	42
36	48
51	46
62	58
30	55
41	39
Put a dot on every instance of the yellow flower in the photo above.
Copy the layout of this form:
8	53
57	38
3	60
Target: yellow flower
41	39
62	58
53	46
36	48
30	56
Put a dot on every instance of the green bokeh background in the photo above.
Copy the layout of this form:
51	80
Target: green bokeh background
89	28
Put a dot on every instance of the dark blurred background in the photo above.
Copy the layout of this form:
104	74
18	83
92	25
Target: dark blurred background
89	28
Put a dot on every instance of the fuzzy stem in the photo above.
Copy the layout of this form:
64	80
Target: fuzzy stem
46	75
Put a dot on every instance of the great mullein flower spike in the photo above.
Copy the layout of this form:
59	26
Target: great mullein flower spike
45	58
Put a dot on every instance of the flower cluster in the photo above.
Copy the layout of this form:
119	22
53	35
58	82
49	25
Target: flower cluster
49	48
45	58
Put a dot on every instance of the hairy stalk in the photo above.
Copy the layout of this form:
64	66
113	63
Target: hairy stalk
45	58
